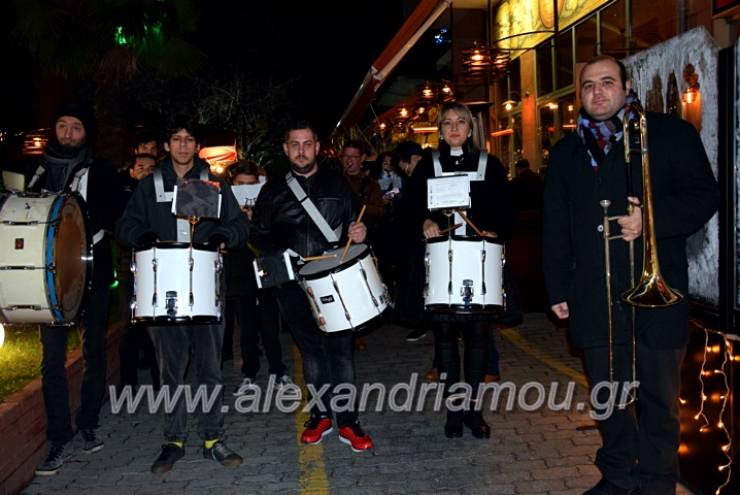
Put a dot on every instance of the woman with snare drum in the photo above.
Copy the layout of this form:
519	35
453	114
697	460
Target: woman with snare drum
487	221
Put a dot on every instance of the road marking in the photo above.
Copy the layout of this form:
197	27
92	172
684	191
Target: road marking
312	472
516	338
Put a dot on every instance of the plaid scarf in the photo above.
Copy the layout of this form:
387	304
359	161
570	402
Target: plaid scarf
599	136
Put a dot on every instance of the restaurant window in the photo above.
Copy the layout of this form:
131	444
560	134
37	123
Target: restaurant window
545	84
652	23
558	118
614	29
586	42
564	59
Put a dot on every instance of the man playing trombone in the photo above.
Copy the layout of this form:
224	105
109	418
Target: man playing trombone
592	174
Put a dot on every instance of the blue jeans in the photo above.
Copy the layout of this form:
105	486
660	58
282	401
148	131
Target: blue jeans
178	347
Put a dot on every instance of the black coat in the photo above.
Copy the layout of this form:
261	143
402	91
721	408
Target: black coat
685	195
280	222
143	215
491	209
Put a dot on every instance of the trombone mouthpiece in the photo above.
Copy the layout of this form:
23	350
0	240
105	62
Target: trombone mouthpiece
605	203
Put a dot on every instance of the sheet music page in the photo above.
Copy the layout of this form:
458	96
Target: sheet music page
452	191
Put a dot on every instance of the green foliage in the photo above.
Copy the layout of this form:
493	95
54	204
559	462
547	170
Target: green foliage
20	357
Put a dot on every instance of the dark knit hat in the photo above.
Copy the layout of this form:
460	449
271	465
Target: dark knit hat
405	149
80	111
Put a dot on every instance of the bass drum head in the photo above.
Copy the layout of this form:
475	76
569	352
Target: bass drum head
71	257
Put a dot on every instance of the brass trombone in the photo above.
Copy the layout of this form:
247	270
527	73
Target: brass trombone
651	291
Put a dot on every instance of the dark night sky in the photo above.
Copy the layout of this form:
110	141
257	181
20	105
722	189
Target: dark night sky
328	46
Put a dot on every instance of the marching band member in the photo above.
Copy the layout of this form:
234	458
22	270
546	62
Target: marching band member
148	218
68	165
282	222
491	211
639	453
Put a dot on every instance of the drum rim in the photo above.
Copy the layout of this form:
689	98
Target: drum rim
366	250
462	238
358	328
462	309
166	320
178	245
50	280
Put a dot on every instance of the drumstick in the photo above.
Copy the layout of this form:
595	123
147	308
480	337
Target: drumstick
322	257
444	231
469	221
349	240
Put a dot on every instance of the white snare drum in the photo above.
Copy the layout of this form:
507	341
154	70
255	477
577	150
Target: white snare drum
464	275
176	284
45	258
344	295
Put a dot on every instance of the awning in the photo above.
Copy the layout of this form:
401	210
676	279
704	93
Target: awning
425	14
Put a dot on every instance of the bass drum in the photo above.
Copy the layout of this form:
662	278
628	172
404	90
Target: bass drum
45	258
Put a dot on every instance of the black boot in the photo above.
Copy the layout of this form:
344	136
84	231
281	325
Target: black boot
454	424
478	427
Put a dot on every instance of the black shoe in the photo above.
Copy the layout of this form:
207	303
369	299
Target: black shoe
92	442
605	487
58	453
171	453
416	334
478	427
454	424
222	454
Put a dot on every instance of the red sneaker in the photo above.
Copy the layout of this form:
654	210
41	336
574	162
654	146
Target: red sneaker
356	438
316	428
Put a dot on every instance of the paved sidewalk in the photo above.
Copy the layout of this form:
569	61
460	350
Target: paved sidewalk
537	452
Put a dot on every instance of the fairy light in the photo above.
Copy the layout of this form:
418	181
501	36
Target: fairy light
722	396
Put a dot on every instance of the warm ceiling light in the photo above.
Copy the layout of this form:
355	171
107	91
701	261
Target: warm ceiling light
509	105
552	106
404	113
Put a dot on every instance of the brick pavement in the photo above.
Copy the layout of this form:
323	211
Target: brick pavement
539	452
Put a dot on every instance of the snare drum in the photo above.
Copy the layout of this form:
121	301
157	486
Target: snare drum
176	284
45	258
464	275
345	295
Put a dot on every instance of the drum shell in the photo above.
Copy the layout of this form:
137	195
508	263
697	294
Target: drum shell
164	268
45	258
450	261
348	296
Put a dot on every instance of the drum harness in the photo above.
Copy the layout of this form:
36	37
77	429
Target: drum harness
477	176
185	233
78	185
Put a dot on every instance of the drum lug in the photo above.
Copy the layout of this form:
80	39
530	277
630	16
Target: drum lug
426	274
369	290
171	303
466	291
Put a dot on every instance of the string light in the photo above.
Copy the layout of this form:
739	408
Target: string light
723	397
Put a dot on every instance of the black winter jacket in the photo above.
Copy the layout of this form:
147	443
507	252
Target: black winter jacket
280	222
492	207
143	215
685	196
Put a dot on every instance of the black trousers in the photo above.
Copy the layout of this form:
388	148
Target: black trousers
54	384
640	442
327	358
133	339
257	315
476	338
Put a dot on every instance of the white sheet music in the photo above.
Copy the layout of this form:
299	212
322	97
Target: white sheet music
450	191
